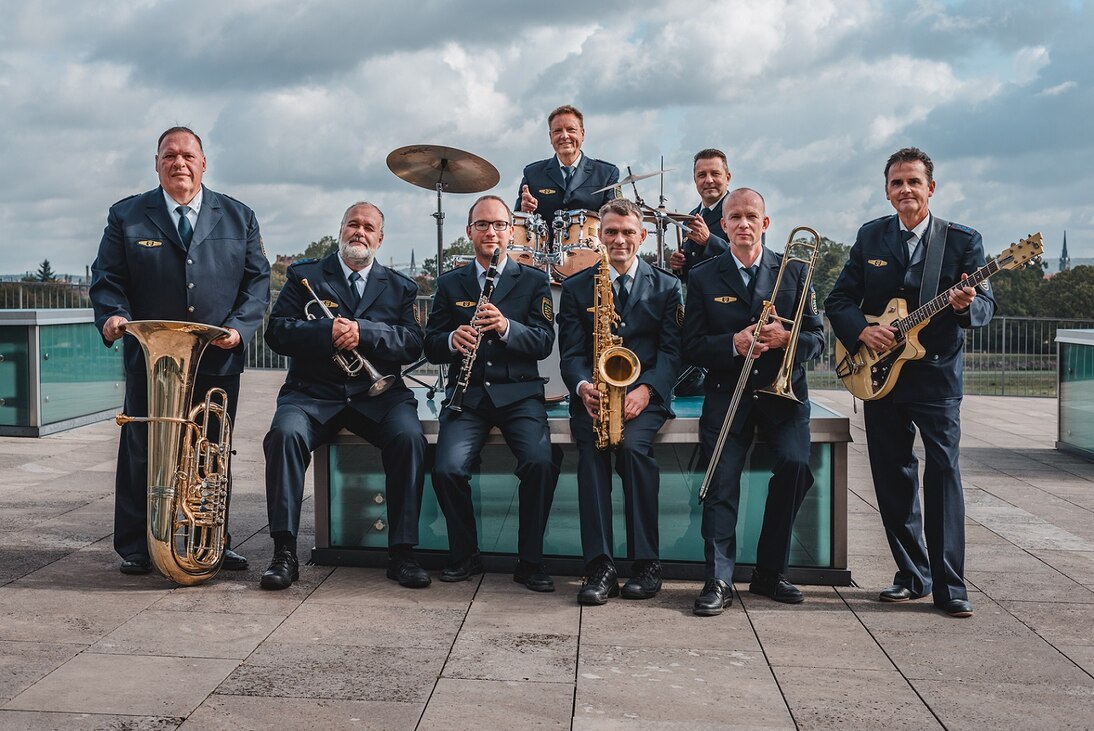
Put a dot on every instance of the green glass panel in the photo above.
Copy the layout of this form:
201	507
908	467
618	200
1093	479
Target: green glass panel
1077	395
15	376
79	376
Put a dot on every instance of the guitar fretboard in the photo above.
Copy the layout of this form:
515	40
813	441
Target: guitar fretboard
942	301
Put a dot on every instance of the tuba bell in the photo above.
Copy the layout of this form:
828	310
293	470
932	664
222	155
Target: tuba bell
188	456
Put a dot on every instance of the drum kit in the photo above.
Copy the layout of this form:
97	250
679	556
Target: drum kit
568	244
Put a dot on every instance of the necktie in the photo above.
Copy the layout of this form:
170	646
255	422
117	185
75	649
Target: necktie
621	293
753	273
186	231
354	278
567	173
906	237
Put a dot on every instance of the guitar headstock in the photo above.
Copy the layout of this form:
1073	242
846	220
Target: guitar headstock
1026	250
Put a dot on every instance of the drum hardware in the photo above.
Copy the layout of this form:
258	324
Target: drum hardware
661	218
635	177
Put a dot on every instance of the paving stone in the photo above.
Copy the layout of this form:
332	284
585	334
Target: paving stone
247	713
1059	624
664	688
817	639
1038	704
18	560
1076	565
340	624
471	705
820	698
492	655
125	684
521	610
361	587
989	618
189	634
1081	655
1042	586
294	670
45	721
43	614
24	663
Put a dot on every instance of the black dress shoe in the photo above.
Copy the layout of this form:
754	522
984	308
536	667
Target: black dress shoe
600	585
897	593
136	564
772	585
534	576
715	597
283	571
407	571
646	581
956	608
233	561
463	570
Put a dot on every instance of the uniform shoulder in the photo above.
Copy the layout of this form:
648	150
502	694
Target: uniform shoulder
962	228
405	278
230	200
876	223
448	276
125	199
526	269
536	166
704	263
302	262
662	272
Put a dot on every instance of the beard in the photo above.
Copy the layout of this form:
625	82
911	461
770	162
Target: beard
356	253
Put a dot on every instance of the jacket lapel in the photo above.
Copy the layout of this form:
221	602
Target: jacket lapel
765	277
554	172
504	284
581	173
642	282
156	210
208	217
731	276
895	242
469	281
337	284
374	287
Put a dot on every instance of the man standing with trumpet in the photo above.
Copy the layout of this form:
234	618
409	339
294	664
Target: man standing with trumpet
337	379
725	298
493	324
650	313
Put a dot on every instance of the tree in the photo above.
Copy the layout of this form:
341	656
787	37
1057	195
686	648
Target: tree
322	247
460	247
1018	291
45	272
1069	293
831	256
315	250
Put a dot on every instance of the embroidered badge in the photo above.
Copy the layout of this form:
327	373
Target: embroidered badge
679	315
547	191
262	246
813	302
547	307
725	299
877	262
466	303
149	244
985	287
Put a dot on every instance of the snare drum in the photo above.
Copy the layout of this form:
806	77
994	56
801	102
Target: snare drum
577	240
529	238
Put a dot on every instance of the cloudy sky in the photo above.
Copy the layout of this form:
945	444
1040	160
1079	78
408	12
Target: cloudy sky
300	101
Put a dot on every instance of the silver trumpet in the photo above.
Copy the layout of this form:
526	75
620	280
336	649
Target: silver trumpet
350	361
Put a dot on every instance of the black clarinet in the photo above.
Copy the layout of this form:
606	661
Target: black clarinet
456	402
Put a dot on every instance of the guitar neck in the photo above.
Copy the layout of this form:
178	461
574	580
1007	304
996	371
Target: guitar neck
942	301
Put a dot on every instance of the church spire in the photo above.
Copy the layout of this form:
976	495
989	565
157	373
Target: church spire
1065	260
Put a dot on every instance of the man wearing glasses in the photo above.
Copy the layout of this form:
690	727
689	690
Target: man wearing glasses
509	335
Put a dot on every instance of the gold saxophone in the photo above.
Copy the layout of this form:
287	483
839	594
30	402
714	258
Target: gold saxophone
614	367
188	457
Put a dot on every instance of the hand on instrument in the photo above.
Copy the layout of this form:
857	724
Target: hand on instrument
961	297
229	341
699	232
636	402
677	260
490	318
528	202
112	328
742	341
878	338
346	334
590	397
463	338
773	335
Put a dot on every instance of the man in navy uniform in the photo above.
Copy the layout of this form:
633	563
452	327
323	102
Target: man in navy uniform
178	252
649	303
504	390
707	239
725	298
914	255
374	315
568	180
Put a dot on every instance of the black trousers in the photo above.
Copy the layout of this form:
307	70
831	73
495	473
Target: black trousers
790	480
131	479
294	435
459	444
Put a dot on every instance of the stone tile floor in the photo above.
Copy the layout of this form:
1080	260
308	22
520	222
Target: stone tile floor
84	647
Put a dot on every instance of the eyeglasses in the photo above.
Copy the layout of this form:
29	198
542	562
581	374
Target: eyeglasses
486	225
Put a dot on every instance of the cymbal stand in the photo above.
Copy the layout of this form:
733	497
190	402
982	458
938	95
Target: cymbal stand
662	220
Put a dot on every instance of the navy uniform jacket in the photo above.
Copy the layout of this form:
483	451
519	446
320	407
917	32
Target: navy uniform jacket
719	305
544	181
718	243
510	368
650	327
143	272
875	273
390	338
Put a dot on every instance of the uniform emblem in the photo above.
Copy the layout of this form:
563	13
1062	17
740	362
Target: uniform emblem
547	191
985	287
262	246
725	299
466	303
547	307
813	302
679	315
149	244
877	262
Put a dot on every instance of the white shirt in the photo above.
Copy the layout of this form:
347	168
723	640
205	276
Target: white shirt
195	207
917	234
480	273
346	271
573	167
745	274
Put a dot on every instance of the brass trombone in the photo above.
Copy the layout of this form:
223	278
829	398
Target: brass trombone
350	361
781	385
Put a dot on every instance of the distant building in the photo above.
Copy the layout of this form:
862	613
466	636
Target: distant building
1065	260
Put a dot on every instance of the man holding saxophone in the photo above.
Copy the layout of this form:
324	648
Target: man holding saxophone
725	297
648	304
374	330
492	322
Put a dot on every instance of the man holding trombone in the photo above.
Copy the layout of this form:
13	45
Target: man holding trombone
758	370
343	374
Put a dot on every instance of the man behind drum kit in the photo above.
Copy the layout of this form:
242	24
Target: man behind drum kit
706	238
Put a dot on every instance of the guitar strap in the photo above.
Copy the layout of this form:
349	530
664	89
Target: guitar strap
932	267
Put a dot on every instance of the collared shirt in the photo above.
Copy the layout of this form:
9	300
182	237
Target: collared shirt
346	271
480	275
917	233
707	209
573	166
632	272
745	274
195	207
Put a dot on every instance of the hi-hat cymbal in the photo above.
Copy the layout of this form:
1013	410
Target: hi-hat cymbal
456	170
651	217
632	178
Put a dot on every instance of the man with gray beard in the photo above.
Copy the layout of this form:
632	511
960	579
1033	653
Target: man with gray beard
373	309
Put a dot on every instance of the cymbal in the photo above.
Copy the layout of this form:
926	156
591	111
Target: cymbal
651	217
456	170
632	178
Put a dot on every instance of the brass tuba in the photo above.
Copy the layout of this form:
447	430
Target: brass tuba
188	458
614	367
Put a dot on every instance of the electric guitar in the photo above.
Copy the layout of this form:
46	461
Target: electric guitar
869	375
